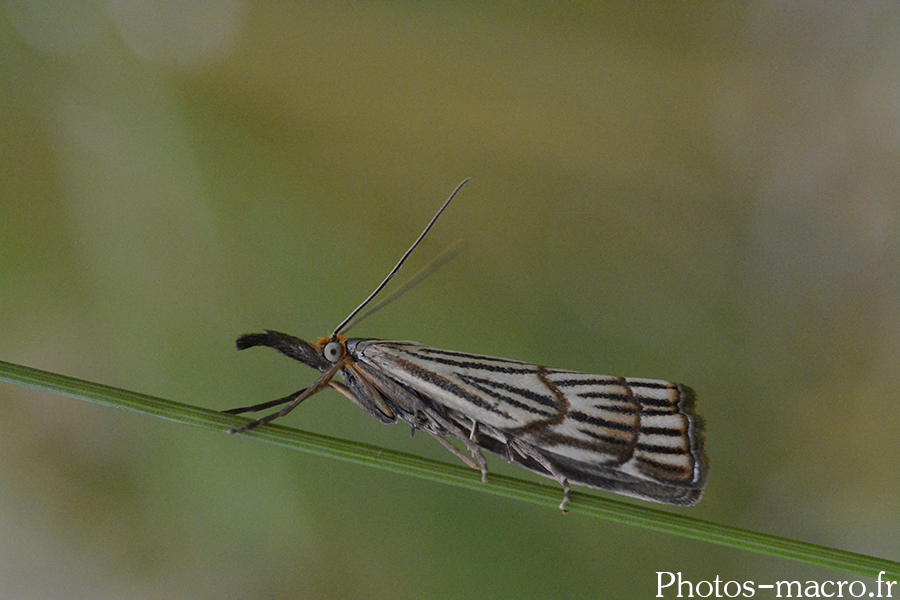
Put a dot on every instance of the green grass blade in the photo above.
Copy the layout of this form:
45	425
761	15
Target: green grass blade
546	495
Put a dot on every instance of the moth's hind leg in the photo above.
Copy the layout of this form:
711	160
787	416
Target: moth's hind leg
476	453
528	452
439	427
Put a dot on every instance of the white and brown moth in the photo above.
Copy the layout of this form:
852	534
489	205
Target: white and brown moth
637	437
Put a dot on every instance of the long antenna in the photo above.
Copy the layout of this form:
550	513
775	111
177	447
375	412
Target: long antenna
340	328
418	278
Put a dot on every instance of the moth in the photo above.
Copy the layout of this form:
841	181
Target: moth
636	437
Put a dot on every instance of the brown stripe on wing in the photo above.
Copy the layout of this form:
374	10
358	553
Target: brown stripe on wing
670	444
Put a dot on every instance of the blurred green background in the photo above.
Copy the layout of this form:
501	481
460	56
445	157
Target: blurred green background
703	193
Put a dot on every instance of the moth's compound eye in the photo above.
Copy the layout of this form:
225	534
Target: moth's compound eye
332	351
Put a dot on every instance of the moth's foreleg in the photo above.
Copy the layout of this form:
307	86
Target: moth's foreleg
340	387
291	401
294	400
264	405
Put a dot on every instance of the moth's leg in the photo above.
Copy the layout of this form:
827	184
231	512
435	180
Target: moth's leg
528	452
478	456
508	453
294	400
491	432
566	492
472	447
454	450
438	426
264	405
340	387
476	450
